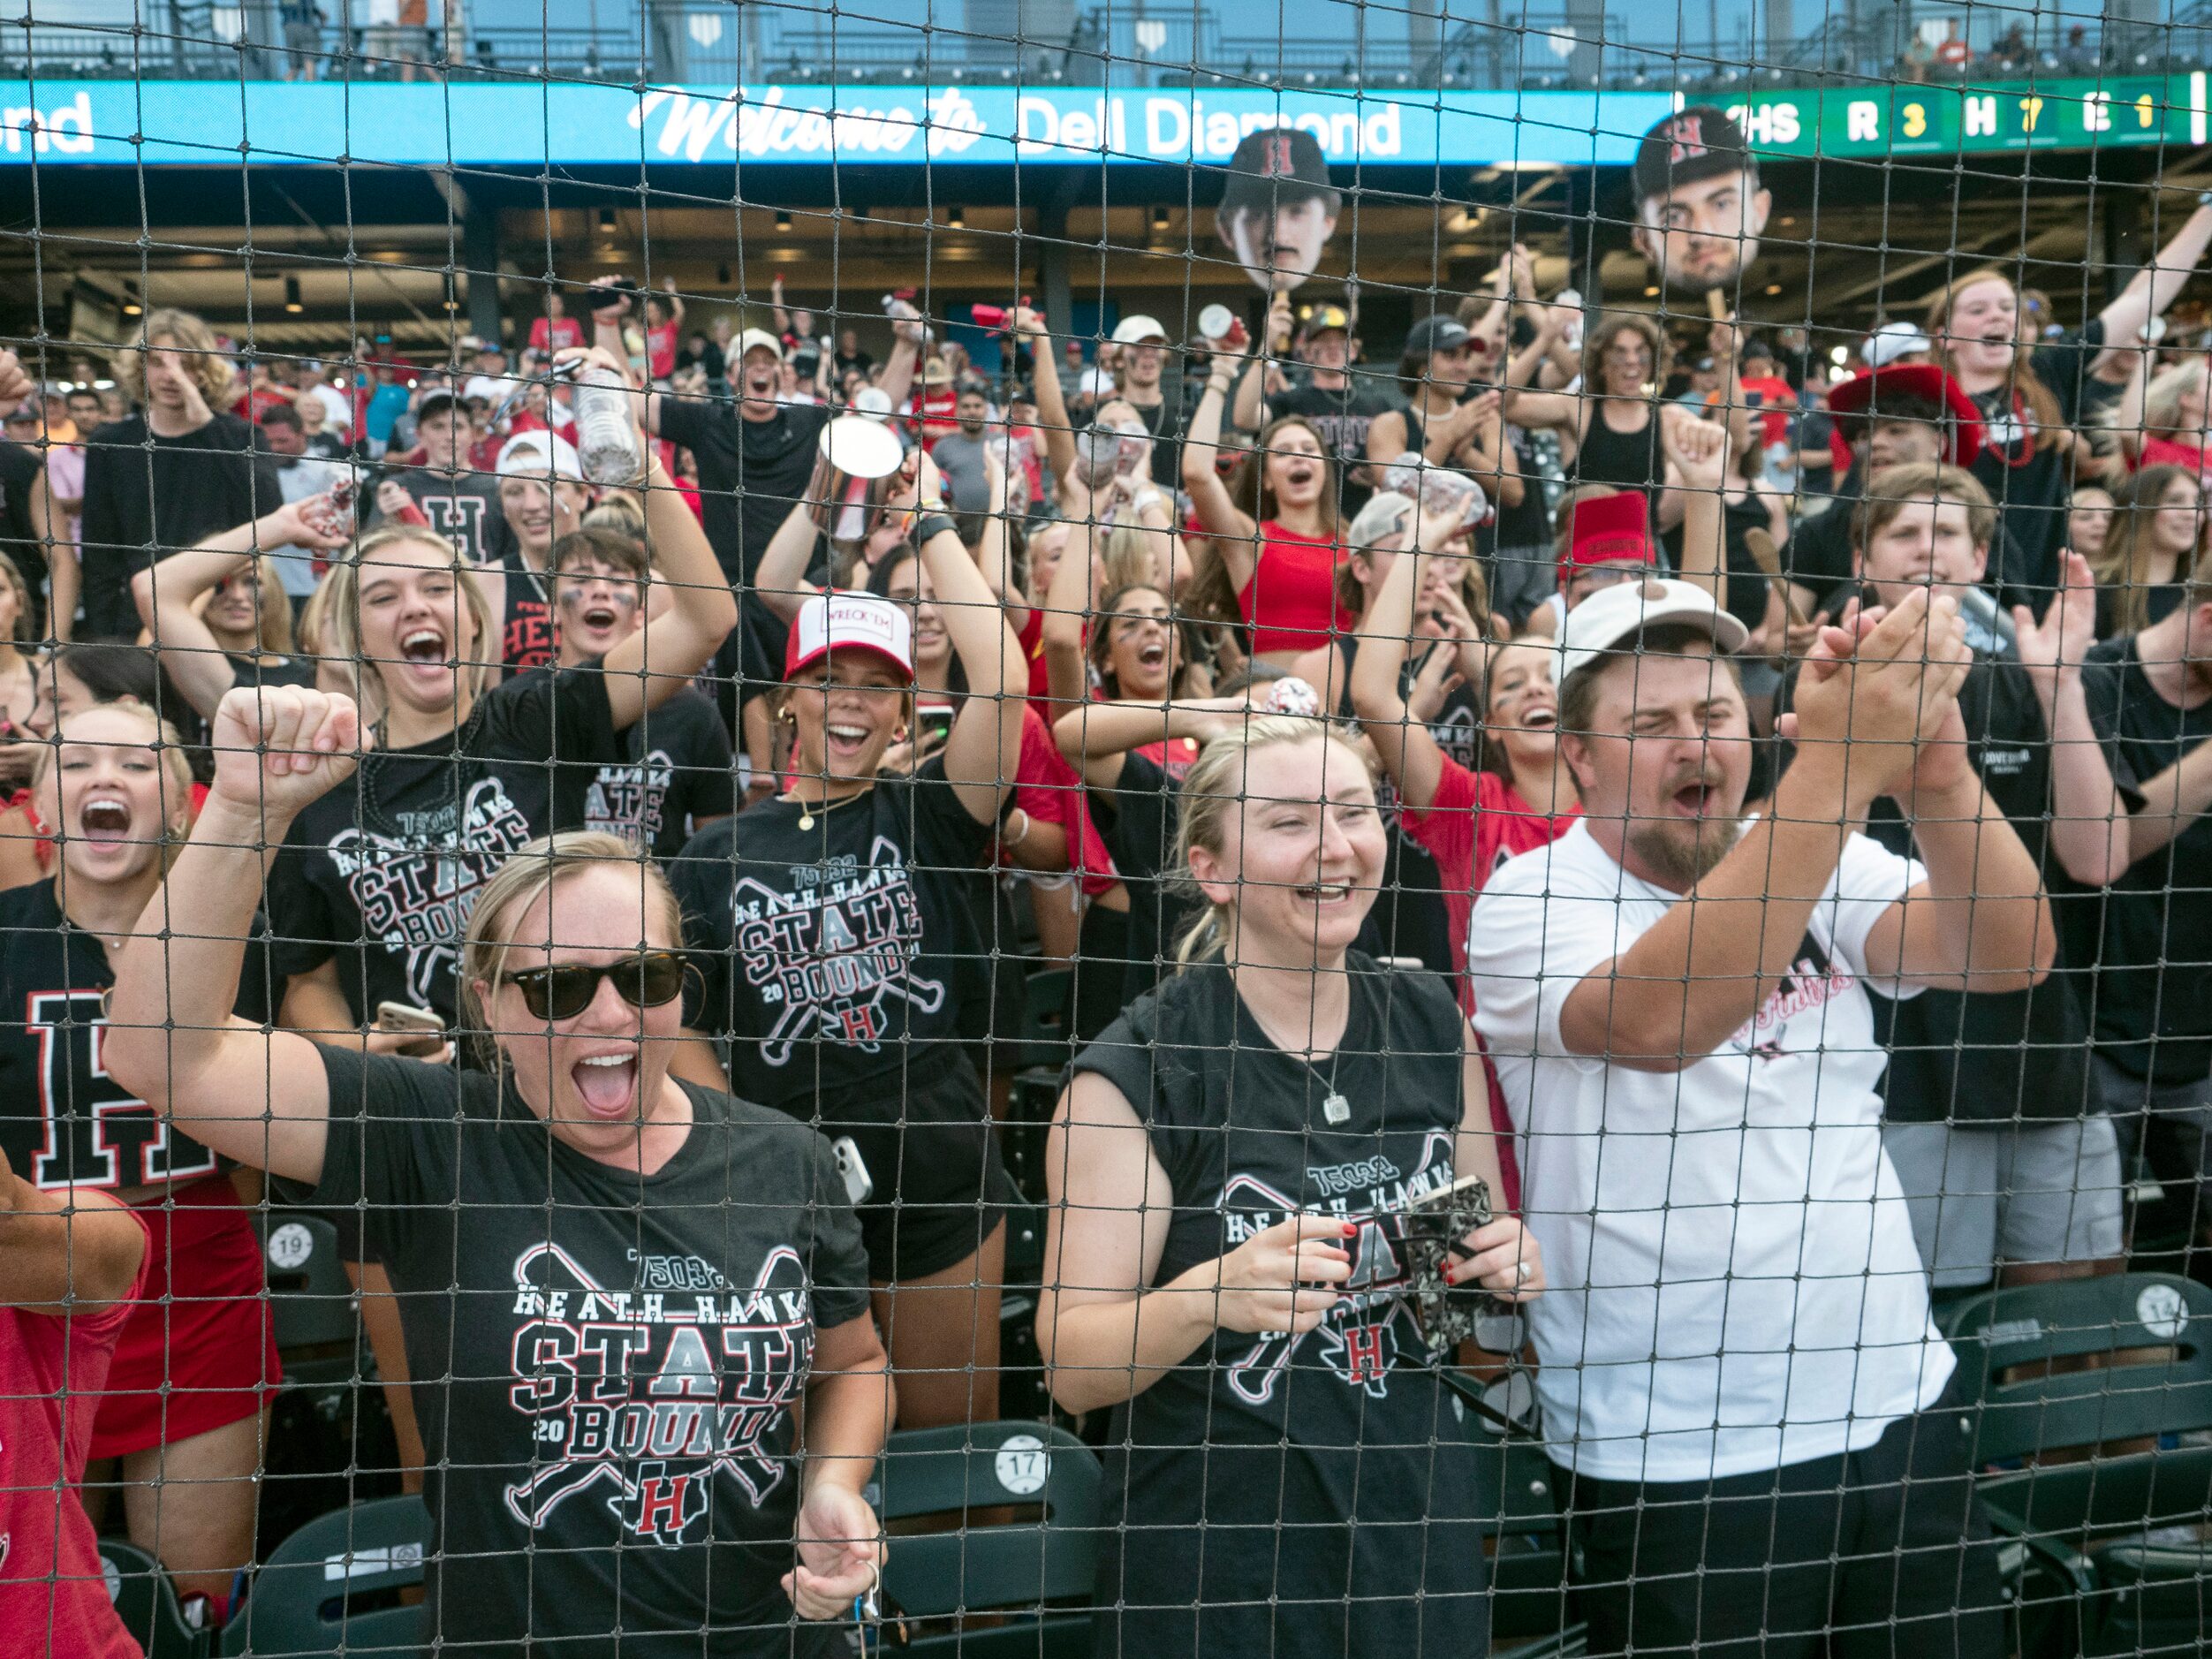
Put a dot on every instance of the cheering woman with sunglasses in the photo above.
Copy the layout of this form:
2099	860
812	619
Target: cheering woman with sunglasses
655	1277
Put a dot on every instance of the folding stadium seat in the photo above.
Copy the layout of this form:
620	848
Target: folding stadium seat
1035	1570
2112	1553
334	1585
145	1601
318	1320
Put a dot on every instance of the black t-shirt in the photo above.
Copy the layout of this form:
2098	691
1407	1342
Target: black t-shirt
676	771
147	496
750	471
1527	524
2148	937
1747	590
1166	421
2001	1056
1280	1478
464	508
1138	820
1819	553
382	873
839	951
2030	483
1341	418
605	1364
1813	429
64	1121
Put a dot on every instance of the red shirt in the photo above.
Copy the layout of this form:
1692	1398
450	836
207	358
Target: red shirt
1777	401
660	352
1477	821
937	406
1032	641
53	1590
2166	452
555	334
1051	791
1290	602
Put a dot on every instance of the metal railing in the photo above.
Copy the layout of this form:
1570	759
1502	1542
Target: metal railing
689	40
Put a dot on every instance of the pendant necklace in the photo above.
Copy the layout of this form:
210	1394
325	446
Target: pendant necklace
1335	1109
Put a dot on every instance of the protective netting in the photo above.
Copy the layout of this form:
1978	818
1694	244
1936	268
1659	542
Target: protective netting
1162	828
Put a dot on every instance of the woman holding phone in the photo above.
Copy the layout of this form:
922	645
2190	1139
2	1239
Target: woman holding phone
589	1176
840	919
1226	1263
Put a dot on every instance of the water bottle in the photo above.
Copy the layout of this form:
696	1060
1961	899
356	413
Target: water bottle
606	441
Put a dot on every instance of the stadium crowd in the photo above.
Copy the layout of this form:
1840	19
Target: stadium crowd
583	824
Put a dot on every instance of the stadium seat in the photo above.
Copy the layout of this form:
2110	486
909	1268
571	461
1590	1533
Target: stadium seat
1021	1389
145	1601
1023	1568
312	1302
2113	1556
308	1599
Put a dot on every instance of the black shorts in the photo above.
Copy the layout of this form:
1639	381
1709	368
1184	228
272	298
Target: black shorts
926	1136
1871	1555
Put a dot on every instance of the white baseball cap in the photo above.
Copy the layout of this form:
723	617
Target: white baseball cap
763	339
837	621
1140	330
485	387
1094	382
538	455
1893	340
1621	612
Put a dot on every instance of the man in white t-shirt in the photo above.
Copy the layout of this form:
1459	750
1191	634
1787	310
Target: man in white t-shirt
1738	1365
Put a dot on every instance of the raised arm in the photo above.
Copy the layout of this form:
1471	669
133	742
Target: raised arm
907	330
1095	737
262	1098
1052	404
1979	922
1410	754
2090	831
983	751
1221	518
780	582
659	660
67	1251
167	593
1699	451
1250	413
2159	283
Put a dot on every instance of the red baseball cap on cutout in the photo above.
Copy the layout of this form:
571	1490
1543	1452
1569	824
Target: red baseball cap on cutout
1609	530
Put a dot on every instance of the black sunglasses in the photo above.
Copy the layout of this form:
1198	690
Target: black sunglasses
645	979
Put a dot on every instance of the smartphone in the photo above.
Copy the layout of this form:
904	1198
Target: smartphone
932	724
405	1017
859	1184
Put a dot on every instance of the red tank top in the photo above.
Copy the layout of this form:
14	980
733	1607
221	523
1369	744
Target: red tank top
1290	602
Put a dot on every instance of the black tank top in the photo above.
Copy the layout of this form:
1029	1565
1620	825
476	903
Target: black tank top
1630	461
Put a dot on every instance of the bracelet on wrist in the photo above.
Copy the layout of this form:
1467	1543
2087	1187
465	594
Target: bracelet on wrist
930	526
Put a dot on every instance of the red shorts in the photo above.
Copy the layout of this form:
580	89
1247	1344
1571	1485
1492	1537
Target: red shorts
202	1330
